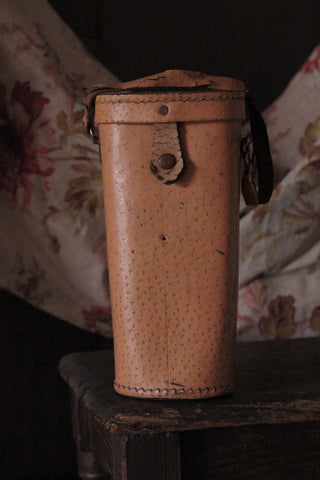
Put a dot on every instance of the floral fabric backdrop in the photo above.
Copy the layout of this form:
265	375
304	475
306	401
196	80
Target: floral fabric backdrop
279	293
52	224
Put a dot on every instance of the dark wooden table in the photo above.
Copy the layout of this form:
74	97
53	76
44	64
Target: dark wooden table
267	429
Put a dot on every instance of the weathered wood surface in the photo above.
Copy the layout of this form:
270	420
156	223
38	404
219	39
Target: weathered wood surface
278	382
265	452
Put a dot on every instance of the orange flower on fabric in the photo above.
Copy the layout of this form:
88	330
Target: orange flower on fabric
280	322
315	319
84	194
310	143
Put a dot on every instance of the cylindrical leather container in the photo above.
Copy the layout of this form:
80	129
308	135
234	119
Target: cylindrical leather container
170	153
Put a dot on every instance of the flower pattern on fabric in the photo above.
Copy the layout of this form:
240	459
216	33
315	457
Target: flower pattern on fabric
28	280
52	240
313	62
310	143
84	194
98	319
51	224
280	321
254	296
315	319
253	305
303	213
292	213
24	143
69	125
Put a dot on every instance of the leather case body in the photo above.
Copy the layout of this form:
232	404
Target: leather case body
170	153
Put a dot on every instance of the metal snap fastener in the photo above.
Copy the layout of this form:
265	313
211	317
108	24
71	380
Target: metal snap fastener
163	110
167	161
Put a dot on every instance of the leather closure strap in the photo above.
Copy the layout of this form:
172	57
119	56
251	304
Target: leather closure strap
167	161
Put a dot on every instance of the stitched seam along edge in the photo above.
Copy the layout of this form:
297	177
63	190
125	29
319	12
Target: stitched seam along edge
174	390
221	98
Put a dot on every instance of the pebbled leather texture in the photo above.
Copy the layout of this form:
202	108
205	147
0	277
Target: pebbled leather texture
173	248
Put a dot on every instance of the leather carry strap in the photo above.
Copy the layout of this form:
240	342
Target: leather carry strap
257	159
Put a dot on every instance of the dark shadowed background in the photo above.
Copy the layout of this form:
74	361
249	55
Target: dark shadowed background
262	43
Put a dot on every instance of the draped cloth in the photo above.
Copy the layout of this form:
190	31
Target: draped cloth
279	294
52	224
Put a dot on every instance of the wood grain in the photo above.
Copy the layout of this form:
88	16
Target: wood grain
277	382
268	428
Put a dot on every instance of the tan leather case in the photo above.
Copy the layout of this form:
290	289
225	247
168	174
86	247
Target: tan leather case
170	161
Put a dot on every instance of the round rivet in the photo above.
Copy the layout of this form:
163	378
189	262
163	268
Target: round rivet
163	110
167	161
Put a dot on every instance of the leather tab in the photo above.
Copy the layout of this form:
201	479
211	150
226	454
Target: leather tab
248	181
166	162
257	160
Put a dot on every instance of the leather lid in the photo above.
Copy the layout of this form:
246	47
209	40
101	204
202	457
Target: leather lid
113	103
173	106
175	79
